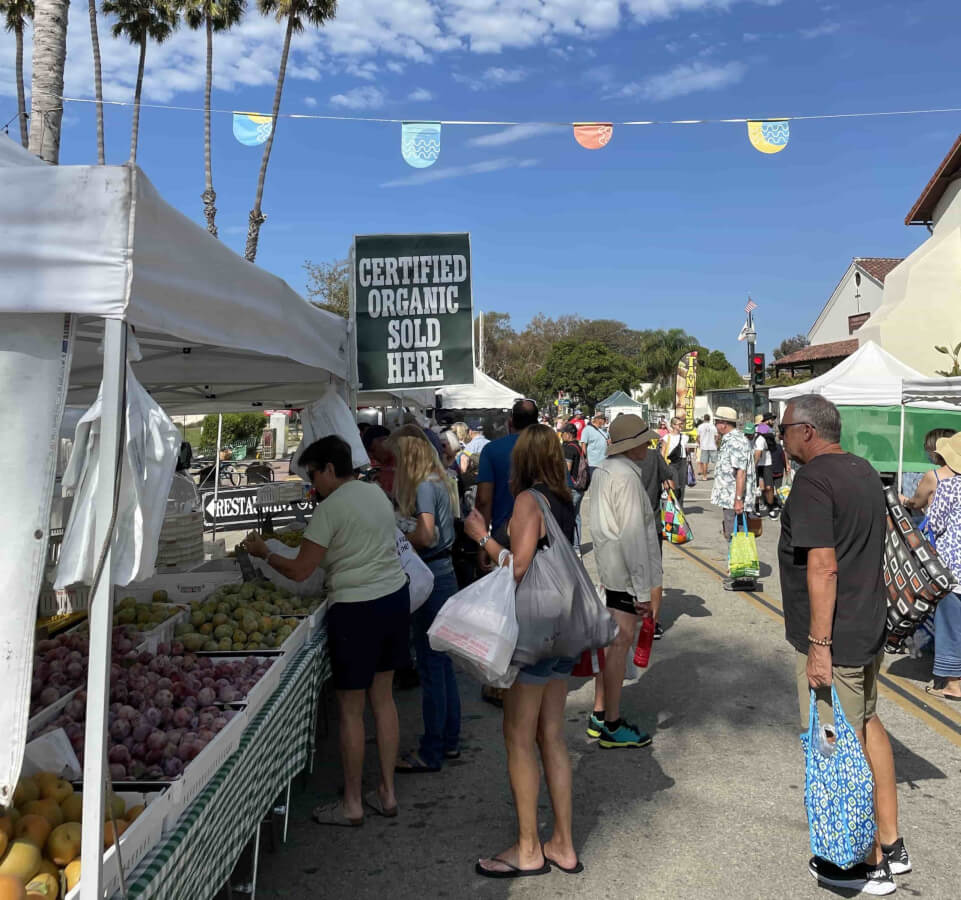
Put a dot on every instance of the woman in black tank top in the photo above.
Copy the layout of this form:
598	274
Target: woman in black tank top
536	699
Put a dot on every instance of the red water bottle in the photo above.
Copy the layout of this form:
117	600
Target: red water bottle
642	655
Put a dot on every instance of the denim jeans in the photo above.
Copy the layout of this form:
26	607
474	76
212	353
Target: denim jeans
947	637
440	701
577	496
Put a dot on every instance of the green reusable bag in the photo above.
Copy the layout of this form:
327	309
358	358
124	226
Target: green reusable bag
742	555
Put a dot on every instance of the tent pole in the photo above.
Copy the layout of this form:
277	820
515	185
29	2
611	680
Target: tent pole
101	610
901	449
220	431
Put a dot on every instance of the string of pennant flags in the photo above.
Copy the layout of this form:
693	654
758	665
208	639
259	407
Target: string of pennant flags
421	140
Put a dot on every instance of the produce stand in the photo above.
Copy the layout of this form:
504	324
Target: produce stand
199	854
92	254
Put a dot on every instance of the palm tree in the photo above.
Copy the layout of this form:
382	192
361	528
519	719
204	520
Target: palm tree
16	13
140	21
297	13
213	15
97	78
46	91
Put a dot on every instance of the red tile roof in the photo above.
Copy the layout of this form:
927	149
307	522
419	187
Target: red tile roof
878	267
922	212
834	350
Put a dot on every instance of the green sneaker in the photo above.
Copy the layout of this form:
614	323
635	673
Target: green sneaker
625	735
594	726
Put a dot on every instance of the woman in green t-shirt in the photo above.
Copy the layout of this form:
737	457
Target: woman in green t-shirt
352	536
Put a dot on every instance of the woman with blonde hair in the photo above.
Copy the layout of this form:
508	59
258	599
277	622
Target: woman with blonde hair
534	705
425	493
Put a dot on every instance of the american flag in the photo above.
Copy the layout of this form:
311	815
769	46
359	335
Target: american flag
751	306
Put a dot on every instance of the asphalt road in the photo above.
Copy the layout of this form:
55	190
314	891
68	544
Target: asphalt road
714	809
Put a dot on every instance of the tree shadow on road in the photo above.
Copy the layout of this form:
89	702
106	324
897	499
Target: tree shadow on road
677	604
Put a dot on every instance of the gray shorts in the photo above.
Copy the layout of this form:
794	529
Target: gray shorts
707	456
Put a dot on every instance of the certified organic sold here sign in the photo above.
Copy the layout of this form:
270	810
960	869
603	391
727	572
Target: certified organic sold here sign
413	312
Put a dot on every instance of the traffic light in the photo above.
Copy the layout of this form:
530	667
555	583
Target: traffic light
757	368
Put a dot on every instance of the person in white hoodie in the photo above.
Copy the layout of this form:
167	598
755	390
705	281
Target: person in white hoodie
629	564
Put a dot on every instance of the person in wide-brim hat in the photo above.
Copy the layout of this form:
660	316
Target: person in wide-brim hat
725	414
949	449
628	431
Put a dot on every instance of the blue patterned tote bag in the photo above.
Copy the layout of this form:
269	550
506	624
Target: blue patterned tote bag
838	791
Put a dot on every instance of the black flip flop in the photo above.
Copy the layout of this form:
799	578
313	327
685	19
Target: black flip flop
576	869
452	754
415	766
512	871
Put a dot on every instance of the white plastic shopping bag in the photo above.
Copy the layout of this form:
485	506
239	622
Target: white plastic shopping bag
479	625
420	576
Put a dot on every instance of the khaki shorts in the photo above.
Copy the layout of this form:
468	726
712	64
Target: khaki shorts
857	688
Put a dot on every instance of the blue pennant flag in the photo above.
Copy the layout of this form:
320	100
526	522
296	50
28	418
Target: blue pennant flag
420	143
252	129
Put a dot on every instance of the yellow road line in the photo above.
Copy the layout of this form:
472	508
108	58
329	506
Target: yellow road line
892	687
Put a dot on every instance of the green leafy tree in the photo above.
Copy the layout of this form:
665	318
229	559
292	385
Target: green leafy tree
15	14
791	345
955	356
328	286
297	14
589	370
237	428
141	21
714	372
213	16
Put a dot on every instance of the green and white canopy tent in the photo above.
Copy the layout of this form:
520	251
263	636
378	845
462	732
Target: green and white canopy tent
886	407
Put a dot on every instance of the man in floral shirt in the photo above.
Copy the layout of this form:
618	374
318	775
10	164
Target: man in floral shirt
735	477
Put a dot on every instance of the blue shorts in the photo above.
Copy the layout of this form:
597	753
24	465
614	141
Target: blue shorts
546	670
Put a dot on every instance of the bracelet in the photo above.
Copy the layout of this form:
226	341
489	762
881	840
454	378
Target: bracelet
483	541
821	642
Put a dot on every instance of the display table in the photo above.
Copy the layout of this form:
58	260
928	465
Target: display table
197	857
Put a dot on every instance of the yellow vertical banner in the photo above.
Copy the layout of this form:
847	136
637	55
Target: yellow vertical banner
685	389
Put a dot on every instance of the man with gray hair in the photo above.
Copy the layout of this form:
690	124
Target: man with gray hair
832	590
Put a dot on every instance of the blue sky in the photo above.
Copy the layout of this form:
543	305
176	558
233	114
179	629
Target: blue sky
666	226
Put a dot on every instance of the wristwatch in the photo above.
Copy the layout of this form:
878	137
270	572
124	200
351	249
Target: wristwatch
483	541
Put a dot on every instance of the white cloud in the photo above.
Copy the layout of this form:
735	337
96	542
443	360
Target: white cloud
366	97
751	37
686	79
495	76
420	95
511	135
310	101
825	28
366	37
426	176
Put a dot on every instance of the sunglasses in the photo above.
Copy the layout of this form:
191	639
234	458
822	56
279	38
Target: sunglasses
784	426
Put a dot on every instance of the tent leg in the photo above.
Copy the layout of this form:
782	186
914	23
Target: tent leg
901	451
101	611
220	431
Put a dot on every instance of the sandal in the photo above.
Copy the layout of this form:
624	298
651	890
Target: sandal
372	799
576	869
452	754
512	870
939	692
412	764
333	814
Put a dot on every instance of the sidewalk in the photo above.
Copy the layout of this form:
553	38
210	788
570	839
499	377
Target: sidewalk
713	810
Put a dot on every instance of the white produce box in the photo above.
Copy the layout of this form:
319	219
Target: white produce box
46	715
141	837
181	587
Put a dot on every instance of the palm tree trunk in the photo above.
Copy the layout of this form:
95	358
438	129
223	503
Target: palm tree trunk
135	128
21	95
97	79
209	196
49	59
257	218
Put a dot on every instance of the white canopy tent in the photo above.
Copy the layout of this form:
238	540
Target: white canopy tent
484	393
89	252
872	377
